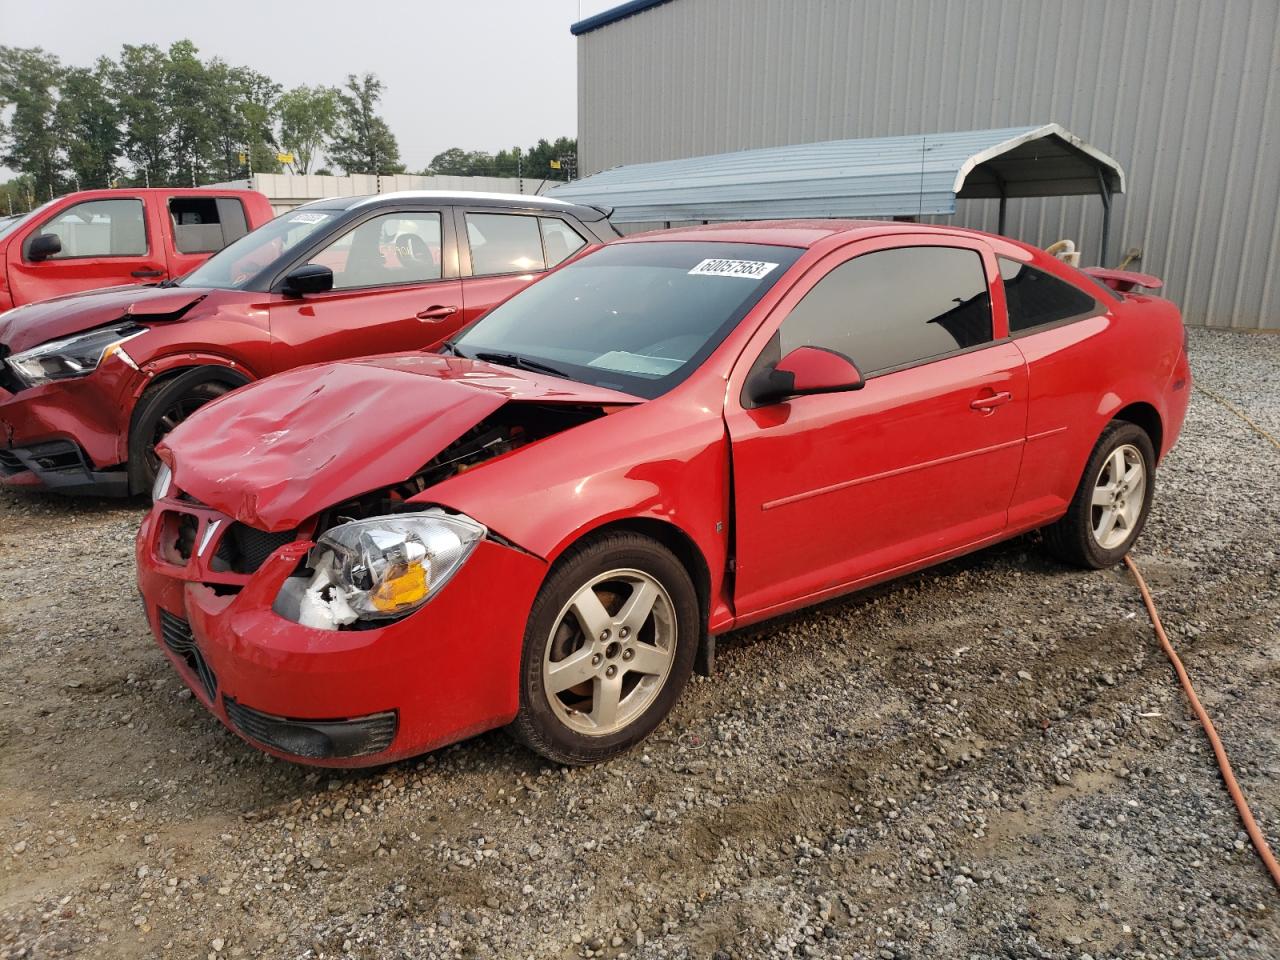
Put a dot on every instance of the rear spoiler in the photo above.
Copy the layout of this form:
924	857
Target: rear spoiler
1124	280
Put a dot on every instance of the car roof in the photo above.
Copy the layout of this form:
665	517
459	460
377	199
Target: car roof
794	233
469	197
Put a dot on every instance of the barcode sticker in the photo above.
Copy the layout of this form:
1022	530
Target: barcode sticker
748	269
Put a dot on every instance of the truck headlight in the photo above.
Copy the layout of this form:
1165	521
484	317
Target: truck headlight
72	356
382	568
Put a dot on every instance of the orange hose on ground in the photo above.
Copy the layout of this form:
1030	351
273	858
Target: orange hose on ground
1246	815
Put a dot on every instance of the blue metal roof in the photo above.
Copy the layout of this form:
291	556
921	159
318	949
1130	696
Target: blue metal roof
876	177
613	15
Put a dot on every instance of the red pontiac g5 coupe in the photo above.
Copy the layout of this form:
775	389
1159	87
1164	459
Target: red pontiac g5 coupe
672	436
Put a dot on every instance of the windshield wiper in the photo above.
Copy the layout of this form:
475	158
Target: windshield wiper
519	362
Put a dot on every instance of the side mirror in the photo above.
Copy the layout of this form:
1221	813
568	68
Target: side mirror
803	371
309	278
44	246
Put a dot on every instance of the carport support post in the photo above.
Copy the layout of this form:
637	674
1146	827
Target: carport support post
1004	201
1104	191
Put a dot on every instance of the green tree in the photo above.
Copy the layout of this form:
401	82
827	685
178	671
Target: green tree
88	126
244	103
362	141
29	142
456	162
18	196
138	85
308	118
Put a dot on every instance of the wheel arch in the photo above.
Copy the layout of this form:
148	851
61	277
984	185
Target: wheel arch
671	536
220	368
1146	416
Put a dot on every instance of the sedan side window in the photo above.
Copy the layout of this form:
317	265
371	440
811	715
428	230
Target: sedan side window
504	243
99	228
391	249
893	308
1036	299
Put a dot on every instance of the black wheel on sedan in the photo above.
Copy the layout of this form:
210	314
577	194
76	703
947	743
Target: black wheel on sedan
609	646
1111	503
163	407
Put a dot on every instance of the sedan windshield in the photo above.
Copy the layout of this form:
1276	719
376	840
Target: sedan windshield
635	317
236	265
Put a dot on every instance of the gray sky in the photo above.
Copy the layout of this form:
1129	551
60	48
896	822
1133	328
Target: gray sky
477	74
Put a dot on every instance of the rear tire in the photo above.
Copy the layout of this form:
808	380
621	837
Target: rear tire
1111	504
162	407
609	646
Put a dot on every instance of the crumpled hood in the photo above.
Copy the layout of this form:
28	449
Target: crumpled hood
281	450
37	323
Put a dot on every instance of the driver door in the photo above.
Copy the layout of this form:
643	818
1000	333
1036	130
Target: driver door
837	489
105	242
395	288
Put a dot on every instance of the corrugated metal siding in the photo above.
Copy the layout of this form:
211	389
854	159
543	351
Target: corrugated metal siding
1183	93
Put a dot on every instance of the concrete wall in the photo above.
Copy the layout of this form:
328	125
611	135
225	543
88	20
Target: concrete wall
1184	93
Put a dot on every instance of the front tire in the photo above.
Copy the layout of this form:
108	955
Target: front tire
1111	504
162	408
609	646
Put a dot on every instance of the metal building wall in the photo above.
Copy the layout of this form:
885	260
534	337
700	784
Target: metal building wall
1182	92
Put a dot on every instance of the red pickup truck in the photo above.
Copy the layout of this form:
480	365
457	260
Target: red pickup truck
105	238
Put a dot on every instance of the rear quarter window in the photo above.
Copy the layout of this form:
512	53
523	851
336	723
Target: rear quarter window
1035	299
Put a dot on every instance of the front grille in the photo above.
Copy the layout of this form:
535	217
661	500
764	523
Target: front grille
10	464
177	636
244	549
315	739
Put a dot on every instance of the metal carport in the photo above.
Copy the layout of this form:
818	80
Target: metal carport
910	176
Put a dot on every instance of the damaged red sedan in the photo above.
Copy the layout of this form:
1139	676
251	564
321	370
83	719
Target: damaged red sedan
542	526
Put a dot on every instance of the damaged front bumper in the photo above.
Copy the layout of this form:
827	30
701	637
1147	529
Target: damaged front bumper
68	437
335	697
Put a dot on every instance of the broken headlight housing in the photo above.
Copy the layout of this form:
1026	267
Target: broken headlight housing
71	357
378	569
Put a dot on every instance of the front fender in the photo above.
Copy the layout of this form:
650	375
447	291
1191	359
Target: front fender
673	468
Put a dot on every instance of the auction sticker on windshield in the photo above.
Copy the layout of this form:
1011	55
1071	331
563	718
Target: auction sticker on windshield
750	269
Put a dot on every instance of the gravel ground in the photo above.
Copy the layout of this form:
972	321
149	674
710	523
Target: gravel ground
989	759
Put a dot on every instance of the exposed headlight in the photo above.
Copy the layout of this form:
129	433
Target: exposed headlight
164	477
382	568
73	356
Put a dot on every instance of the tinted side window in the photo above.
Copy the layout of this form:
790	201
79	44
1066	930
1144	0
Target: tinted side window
99	228
392	249
1035	298
895	307
504	243
559	240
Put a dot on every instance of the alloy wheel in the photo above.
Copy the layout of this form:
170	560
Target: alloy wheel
610	652
1118	496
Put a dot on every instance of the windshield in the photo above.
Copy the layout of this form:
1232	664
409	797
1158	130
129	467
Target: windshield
7	225
234	266
636	317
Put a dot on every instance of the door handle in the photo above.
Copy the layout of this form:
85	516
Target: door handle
147	273
990	402
437	312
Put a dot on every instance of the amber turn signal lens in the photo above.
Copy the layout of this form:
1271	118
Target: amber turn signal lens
407	588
